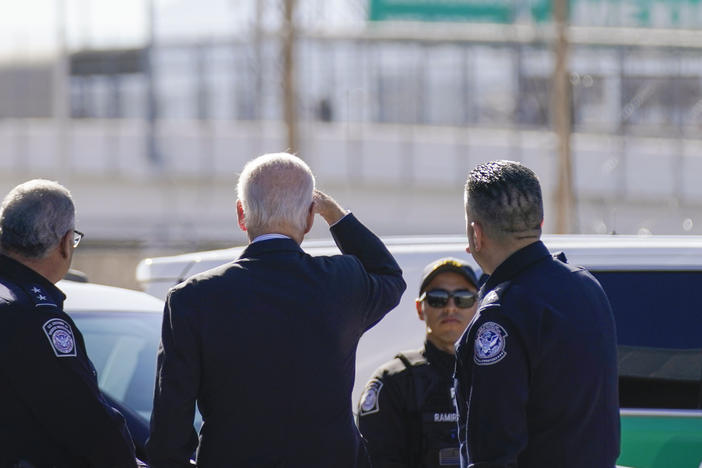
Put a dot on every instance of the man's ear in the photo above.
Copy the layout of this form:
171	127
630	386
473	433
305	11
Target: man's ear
478	235
66	244
310	218
420	312
240	215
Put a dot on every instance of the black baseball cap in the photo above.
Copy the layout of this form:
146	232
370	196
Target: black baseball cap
443	265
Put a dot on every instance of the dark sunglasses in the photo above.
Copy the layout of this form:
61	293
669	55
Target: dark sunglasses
440	297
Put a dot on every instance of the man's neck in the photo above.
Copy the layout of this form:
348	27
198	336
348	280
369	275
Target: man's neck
447	347
42	266
502	252
294	235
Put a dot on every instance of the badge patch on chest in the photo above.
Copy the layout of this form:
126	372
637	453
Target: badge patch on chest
60	335
369	399
490	344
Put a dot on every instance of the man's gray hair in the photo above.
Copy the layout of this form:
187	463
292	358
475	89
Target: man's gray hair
34	217
276	190
505	197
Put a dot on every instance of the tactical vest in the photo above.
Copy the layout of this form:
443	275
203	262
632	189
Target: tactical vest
433	419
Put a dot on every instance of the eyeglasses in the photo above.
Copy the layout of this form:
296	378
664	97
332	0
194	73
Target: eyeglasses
77	236
440	297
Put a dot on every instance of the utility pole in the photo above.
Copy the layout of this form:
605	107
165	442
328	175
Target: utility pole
289	97
152	149
61	77
258	53
562	121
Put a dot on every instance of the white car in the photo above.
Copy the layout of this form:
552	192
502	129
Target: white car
651	281
122	329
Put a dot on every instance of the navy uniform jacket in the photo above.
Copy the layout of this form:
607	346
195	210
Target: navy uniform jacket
536	373
266	345
406	413
52	410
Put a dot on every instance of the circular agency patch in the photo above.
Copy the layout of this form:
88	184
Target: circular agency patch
60	335
490	344
369	399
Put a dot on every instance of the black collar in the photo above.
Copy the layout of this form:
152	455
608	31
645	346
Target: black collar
515	264
444	362
35	285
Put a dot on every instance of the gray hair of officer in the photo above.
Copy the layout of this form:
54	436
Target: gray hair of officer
34	217
276	191
505	198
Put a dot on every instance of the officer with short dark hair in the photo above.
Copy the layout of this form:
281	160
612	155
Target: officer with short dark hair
53	412
406	413
536	370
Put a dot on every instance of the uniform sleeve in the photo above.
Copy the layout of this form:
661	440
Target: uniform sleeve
59	386
497	397
173	438
383	422
384	276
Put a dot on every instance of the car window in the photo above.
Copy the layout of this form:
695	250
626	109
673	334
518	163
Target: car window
123	347
658	317
660	309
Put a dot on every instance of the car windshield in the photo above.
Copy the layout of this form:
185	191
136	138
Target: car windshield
123	347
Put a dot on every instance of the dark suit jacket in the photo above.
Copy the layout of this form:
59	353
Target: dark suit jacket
267	346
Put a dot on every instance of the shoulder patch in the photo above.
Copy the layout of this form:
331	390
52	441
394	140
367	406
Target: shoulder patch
369	399
60	335
490	344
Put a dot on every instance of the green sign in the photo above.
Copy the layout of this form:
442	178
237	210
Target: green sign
494	11
622	13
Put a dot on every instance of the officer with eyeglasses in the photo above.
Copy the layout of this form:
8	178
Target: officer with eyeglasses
406	412
54	414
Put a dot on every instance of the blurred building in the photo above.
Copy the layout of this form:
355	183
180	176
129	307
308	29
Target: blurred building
394	105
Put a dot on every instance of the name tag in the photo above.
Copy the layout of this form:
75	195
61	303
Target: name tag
445	417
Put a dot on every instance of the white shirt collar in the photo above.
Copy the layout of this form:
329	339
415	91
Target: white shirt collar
265	237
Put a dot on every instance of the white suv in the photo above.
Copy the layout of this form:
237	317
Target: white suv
653	283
